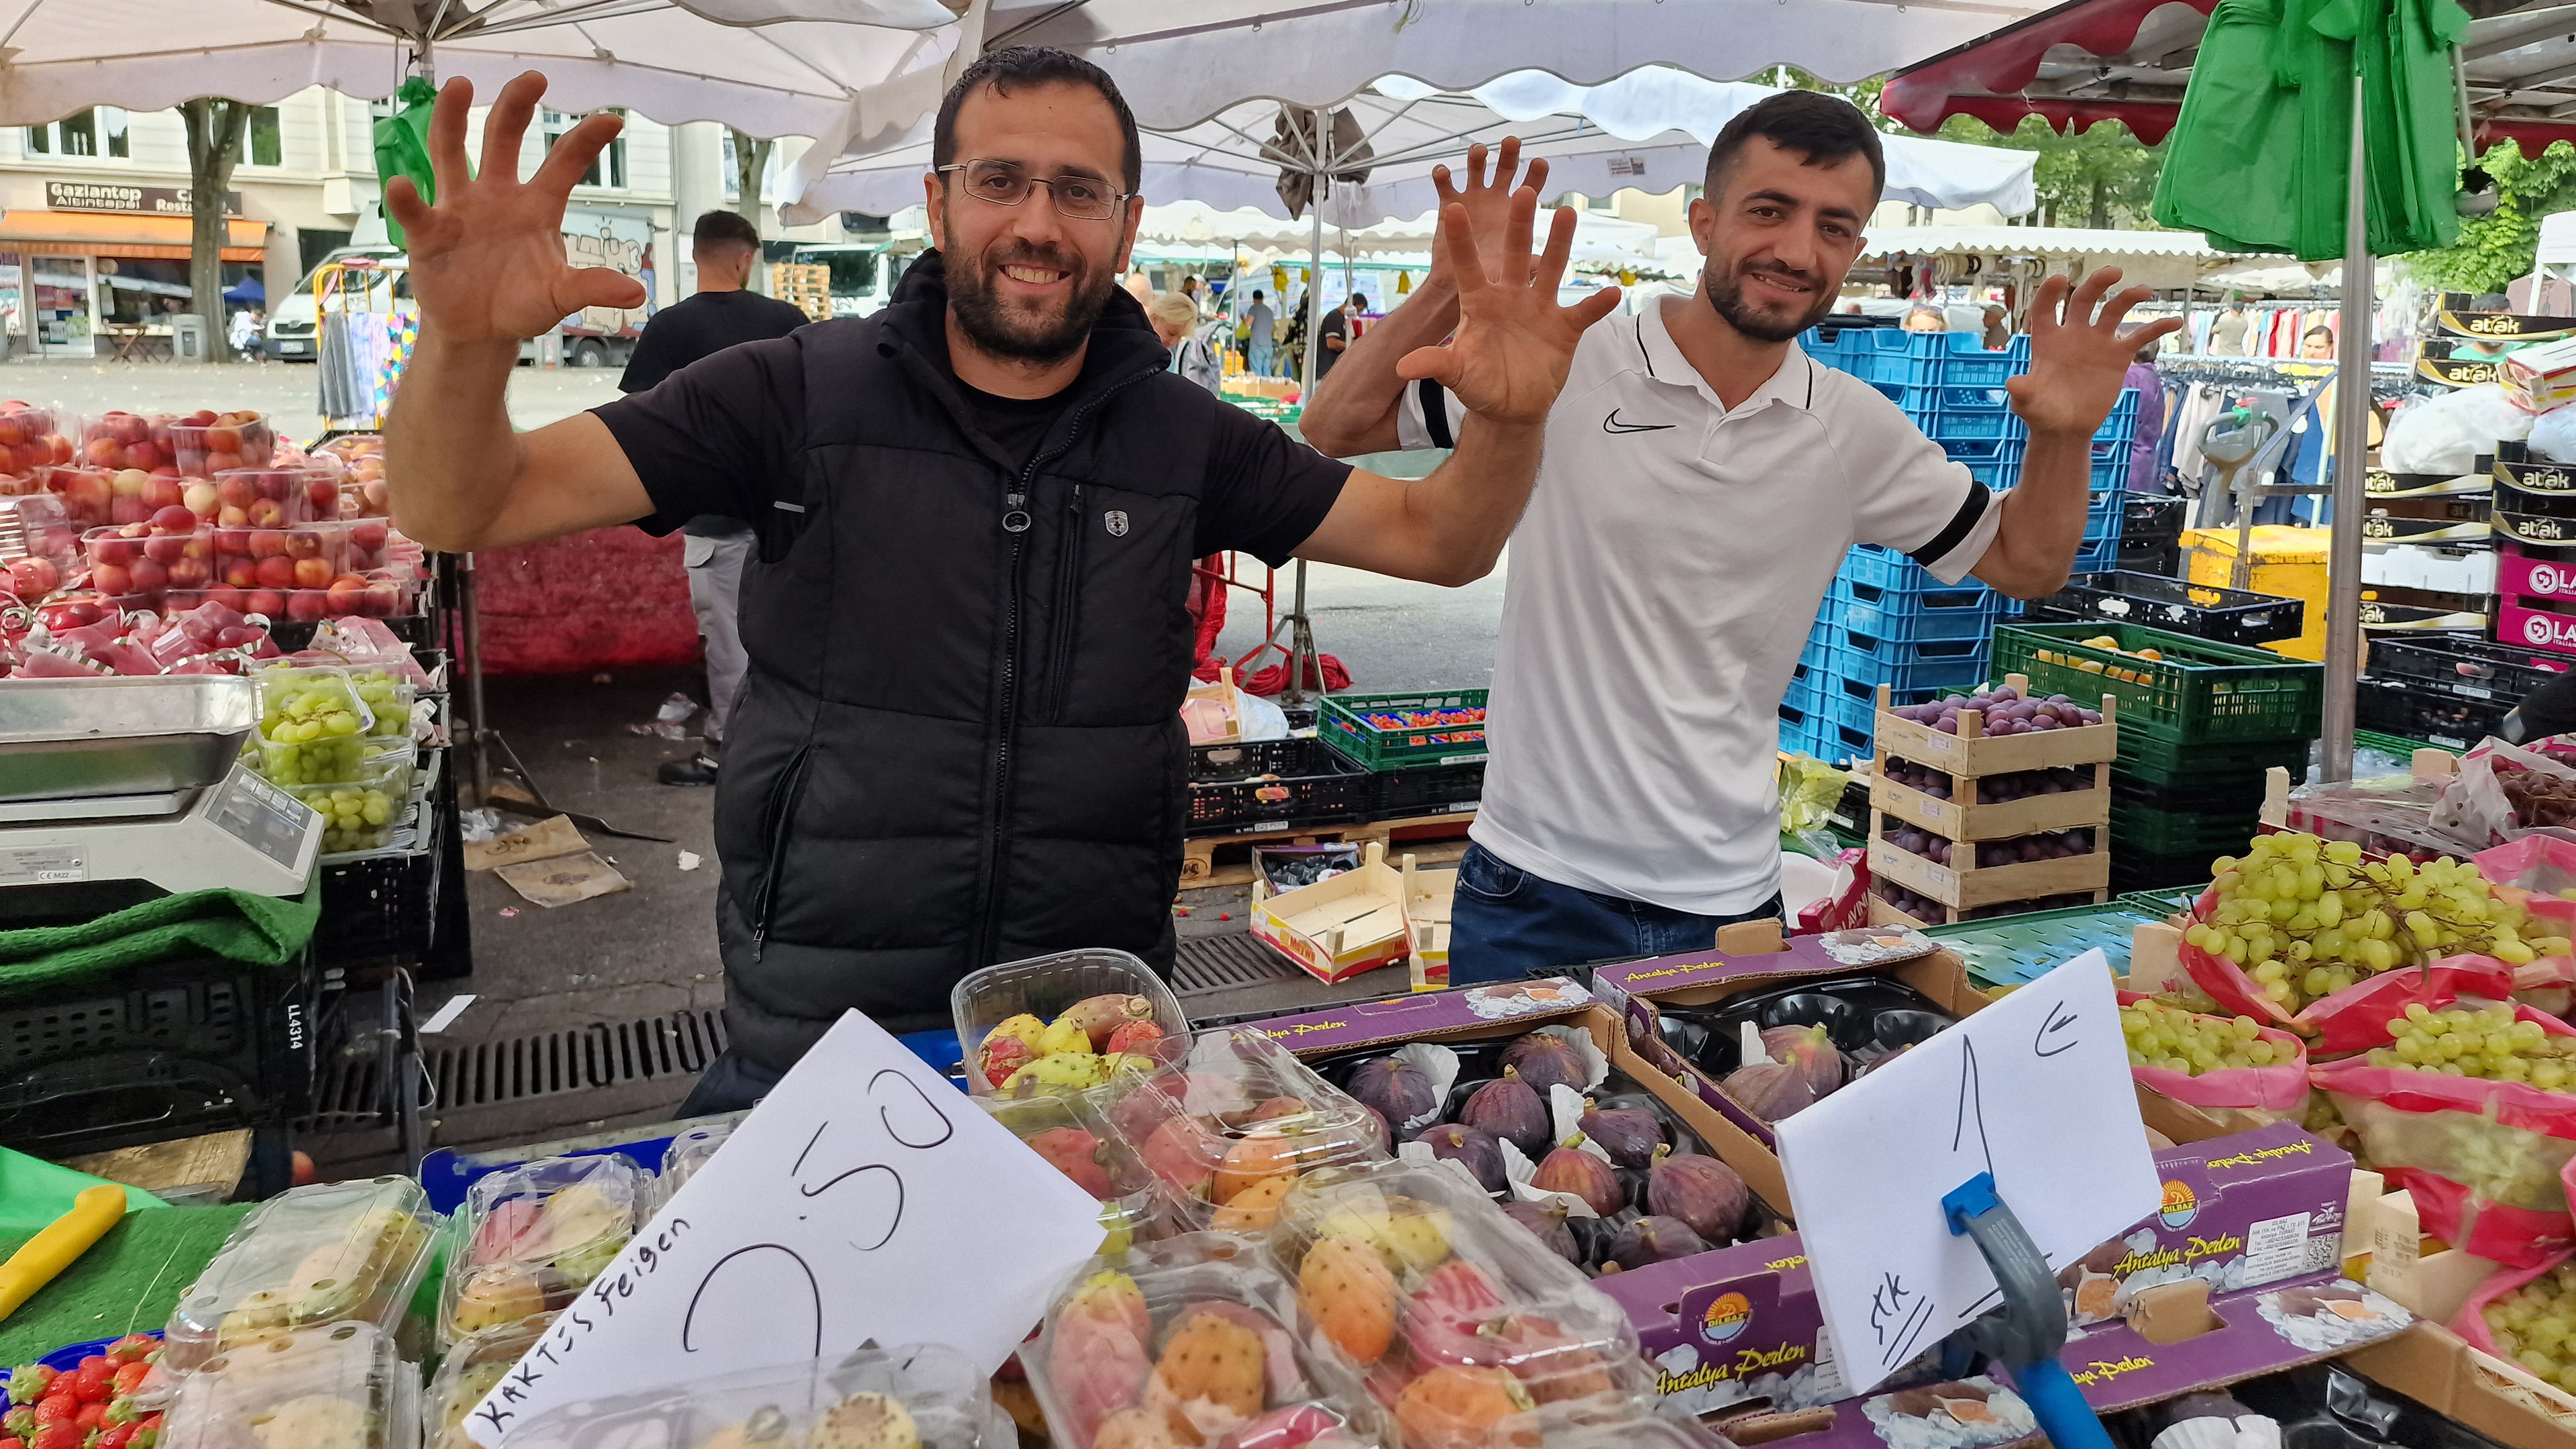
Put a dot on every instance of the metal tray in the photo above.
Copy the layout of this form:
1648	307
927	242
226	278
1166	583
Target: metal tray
118	736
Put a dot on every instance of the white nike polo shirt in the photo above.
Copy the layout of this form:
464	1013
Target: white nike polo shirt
1661	587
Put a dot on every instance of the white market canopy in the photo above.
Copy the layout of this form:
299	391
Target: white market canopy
769	67
1649	129
2160	259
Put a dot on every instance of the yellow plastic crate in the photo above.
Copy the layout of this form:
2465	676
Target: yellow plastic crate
2290	562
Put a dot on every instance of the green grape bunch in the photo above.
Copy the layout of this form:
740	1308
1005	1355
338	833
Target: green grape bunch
2479	1040
2307	917
2534	1326
2166	1036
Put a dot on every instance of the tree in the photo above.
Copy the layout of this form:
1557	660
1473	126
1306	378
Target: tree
2498	247
214	130
2101	177
750	164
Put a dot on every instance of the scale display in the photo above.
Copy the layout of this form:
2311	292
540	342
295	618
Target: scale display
261	816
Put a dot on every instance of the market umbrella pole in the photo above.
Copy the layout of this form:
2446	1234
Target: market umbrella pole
2352	440
1301	630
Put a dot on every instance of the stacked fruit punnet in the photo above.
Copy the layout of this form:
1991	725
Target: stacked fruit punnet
2306	917
2163	1035
311	727
1229	1130
2535	1326
1083	1047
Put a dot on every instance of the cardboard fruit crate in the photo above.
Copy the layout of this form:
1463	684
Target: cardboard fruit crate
1968	889
1973	752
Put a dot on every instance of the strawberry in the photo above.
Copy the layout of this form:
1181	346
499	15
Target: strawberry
31	1382
114	1436
93	1380
1452	1406
90	1418
147	1432
135	1348
56	1408
13	1442
122	1411
128	1377
60	1434
1345	1287
1210	1374
19	1422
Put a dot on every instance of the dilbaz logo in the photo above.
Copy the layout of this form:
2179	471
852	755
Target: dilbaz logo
1728	1315
2181	1204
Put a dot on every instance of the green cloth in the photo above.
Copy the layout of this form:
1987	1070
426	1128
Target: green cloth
128	1282
402	146
254	930
2261	158
34	1192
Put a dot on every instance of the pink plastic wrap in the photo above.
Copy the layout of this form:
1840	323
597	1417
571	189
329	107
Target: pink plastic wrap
595	600
1847	906
2356	1018
2477	808
2280	1087
2471	1323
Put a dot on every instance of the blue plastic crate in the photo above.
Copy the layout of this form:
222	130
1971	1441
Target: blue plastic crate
1947	427
2098	555
1974	622
1951	664
1874	354
1986	369
1926	401
1997	449
1997	474
2110	475
2102	516
1854	702
1880	567
1917	593
1843	744
1813	655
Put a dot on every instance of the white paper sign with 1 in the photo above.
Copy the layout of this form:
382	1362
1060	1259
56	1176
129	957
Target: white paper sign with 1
865	1199
2034	1089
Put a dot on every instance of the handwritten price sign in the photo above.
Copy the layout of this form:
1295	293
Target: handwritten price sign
2034	1089
864	1199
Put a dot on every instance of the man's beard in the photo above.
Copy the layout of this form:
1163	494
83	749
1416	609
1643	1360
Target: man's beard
1017	332
1725	293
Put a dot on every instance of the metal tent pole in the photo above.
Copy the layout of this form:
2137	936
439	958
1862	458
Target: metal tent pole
2352	440
1301	631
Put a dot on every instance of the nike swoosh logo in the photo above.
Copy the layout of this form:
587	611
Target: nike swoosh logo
1611	424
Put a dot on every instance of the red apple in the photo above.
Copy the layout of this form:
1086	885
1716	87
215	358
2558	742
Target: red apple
104	452
202	417
231	516
173	518
267	602
384	599
268	543
305	606
267	513
303	543
374	498
62	447
368	534
160	492
145	455
228	596
276	572
232	540
217	462
110	578
322	494
149	577
312	573
165	547
113	548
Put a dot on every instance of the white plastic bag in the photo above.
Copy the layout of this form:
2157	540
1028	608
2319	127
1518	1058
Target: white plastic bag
2553	435
2446	434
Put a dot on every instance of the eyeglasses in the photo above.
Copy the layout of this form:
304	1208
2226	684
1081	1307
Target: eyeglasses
1082	198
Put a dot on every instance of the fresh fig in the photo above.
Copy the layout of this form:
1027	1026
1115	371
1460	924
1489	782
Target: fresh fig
1098	1016
1654	1240
1770	1091
1629	1134
1701	1192
1546	1222
1544	1060
1473	1148
1570	1169
1398	1089
1507	1108
1811	1051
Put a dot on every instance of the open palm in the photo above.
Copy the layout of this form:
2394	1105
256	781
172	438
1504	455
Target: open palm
1488	199
1508	358
2080	361
487	261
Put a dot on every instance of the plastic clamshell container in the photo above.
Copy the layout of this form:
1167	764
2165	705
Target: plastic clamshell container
689	1151
1204	1326
329	1386
324	1253
472	1367
1105	1166
304	490
867	1398
1044	986
1462	1285
387	696
530	1238
361	812
211	450
1237	1111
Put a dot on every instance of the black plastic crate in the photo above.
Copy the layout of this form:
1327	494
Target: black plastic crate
2231	794
1242	761
2230	616
149	1053
2152	518
2137	870
2471	668
1309	784
1430	790
2161	560
2414	711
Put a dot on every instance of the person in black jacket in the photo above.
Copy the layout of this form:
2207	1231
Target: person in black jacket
960	741
722	312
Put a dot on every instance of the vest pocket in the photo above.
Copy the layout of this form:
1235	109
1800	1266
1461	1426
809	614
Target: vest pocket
782	816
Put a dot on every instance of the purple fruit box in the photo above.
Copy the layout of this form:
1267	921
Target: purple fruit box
1503	1008
2254	1220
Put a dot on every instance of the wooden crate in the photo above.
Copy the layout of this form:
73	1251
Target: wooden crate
2000	821
1973	752
1971	888
807	287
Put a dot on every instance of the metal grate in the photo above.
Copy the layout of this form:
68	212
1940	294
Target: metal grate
518	1068
1206	965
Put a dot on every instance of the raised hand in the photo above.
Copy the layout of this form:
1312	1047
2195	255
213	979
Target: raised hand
1488	201
1509	356
487	261
2077	361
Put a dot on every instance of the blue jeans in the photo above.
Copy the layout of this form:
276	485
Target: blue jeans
1259	362
1506	923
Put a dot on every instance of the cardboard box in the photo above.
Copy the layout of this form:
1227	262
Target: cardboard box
1504	1008
2431	1284
2436	1367
1427	897
1342	926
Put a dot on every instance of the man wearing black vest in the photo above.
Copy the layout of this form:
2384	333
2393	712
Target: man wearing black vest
969	634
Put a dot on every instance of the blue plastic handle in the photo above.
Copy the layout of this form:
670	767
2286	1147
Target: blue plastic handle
2059	1406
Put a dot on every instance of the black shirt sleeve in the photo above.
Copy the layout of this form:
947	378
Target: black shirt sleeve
716	436
660	352
1266	492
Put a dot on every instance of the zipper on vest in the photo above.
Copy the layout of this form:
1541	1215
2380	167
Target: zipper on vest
1017	499
1068	589
790	785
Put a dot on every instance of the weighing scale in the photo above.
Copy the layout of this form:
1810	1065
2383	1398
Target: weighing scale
117	790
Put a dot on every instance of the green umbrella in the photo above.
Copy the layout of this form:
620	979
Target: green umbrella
402	145
2260	159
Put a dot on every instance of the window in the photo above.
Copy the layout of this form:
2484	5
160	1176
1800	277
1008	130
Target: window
259	143
609	167
733	172
99	131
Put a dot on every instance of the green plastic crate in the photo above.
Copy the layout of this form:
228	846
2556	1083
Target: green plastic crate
1344	725
2157	905
2396	745
2179	832
2152	761
2200	692
2010	950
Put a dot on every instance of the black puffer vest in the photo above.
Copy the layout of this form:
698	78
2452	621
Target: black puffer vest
960	739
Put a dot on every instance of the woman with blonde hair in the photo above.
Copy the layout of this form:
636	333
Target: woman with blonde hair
1175	318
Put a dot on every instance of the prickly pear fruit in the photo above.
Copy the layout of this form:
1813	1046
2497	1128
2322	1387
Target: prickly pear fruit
1409	1234
1253	1159
1701	1192
1446	1320
1629	1134
1098	1355
1141	1428
1652	1240
1023	1028
1452	1406
1132	1036
1508	1108
865	1421
1545	1060
1210	1374
1811	1051
1273	1109
1184	1155
1066	1038
1398	1089
1076	1154
1546	1222
1472	1148
1003	1055
1570	1169
1098	1016
1057	1071
1345	1288
1255	1207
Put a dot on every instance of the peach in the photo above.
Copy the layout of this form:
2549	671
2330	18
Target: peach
276	572
312	573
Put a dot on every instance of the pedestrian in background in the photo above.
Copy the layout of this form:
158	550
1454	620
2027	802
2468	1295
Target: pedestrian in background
719	315
1176	321
1260	322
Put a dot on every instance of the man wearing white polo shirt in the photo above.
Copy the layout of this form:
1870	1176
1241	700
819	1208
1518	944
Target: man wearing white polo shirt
1702	481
